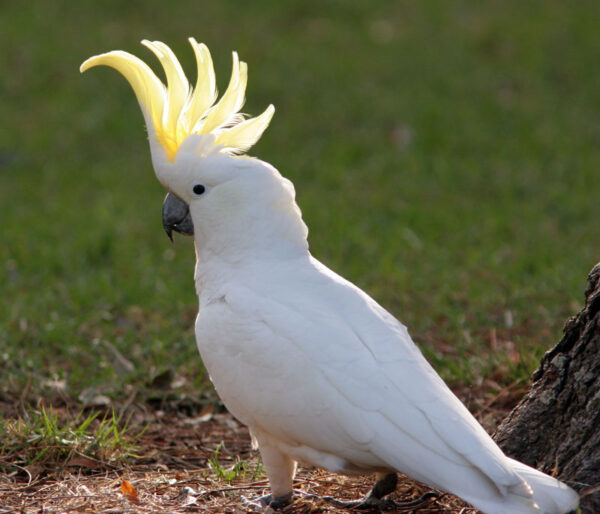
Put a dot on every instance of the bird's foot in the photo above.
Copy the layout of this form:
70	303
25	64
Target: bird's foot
374	503
267	501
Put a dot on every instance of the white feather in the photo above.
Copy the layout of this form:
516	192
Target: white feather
322	372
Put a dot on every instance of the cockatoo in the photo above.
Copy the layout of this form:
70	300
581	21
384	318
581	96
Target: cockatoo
319	372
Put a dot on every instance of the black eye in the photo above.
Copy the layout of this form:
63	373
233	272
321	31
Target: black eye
199	189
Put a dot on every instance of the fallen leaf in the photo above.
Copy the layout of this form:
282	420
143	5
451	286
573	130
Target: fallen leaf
129	491
187	496
34	470
206	414
121	365
81	461
163	379
92	397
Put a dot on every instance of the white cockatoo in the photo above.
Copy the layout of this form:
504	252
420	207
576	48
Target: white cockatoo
318	370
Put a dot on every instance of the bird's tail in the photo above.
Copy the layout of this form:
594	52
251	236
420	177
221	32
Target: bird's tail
551	495
545	495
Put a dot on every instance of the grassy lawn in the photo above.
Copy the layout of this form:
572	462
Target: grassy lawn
446	158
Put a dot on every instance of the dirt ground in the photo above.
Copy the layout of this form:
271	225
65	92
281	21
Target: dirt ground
176	471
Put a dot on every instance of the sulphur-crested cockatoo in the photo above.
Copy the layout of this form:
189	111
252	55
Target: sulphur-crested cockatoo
319	372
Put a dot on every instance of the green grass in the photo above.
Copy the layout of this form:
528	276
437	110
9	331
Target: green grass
445	155
41	438
239	470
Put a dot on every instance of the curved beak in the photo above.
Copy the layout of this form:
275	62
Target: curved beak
176	216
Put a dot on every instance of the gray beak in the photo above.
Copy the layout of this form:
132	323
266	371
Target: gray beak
176	216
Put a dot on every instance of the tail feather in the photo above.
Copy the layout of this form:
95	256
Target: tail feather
551	495
531	491
547	495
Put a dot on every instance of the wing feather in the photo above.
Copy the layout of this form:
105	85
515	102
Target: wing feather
356	386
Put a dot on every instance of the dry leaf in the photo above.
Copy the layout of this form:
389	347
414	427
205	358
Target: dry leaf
81	461
187	496
91	396
163	379
206	414
34	470
129	491
121	365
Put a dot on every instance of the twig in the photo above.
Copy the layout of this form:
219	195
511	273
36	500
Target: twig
256	485
22	469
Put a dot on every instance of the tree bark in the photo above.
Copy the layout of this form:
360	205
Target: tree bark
556	426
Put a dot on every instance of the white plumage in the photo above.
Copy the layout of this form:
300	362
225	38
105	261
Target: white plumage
319	372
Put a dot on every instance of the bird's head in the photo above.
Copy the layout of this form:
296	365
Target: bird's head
196	142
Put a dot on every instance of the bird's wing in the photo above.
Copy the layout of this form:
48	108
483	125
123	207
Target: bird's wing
335	371
418	388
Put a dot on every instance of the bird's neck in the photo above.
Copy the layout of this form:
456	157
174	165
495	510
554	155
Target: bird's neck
249	246
250	224
214	272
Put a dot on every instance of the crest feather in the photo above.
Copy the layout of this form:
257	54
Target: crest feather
233	98
148	89
175	111
242	136
205	92
177	86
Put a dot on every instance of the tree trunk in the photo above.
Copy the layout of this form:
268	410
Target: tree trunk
556	426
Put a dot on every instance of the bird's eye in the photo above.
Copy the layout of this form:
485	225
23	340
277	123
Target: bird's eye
199	189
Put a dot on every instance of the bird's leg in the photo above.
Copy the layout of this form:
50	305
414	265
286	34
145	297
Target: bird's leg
280	470
385	483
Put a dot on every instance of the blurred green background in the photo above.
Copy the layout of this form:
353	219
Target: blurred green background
445	156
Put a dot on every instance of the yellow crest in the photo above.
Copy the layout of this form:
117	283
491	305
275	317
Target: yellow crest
177	110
